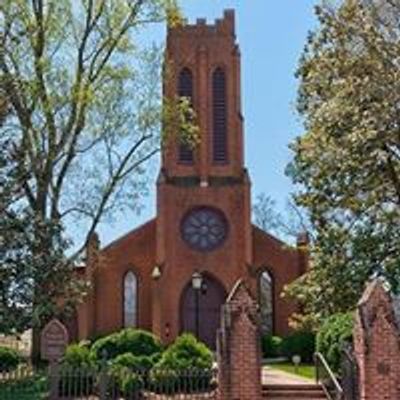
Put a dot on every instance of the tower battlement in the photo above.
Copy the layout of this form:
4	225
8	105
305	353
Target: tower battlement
224	26
204	65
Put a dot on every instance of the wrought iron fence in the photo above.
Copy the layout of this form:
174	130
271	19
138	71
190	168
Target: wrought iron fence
327	378
349	374
61	383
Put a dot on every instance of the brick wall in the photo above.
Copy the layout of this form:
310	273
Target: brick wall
246	252
377	345
238	348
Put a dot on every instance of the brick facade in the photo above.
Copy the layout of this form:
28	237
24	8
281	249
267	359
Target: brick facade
377	345
238	348
158	246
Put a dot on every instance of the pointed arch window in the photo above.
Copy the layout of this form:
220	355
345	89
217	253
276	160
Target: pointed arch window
130	300
185	89
266	301
219	117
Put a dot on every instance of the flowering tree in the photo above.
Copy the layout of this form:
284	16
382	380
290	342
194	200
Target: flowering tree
81	115
348	160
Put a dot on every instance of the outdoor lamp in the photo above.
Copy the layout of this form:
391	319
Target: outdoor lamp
197	280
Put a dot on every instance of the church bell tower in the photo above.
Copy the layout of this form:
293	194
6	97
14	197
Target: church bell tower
203	193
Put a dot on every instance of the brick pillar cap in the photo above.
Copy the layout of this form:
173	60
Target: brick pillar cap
373	289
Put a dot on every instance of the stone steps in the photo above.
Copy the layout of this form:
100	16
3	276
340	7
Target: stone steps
293	392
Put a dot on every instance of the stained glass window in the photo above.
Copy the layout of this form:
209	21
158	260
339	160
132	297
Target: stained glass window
266	302
204	229
130	300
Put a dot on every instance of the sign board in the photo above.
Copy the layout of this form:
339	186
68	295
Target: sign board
53	340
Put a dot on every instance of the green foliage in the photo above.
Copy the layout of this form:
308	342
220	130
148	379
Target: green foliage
300	343
186	353
125	382
137	363
9	359
78	355
78	371
131	385
137	342
271	346
80	106
348	161
34	386
185	365
331	338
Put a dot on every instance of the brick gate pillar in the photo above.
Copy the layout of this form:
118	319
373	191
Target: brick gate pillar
238	348
377	345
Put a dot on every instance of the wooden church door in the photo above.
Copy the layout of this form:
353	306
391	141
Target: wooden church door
207	308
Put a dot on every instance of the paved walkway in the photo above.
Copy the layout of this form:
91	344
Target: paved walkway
272	376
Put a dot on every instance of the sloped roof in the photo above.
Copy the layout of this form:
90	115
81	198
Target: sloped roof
274	240
131	235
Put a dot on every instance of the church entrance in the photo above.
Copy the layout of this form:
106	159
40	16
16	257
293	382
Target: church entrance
201	309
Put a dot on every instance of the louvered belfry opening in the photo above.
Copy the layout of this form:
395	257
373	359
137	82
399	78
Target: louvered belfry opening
219	117
185	89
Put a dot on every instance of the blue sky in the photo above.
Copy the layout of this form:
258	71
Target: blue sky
271	35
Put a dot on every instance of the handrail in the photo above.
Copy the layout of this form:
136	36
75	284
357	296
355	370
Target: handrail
334	393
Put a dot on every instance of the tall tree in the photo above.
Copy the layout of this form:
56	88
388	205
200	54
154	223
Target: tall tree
82	83
348	160
286	226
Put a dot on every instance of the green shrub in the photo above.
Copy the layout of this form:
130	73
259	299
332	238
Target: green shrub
185	366
137	363
300	343
271	346
125	383
9	359
134	341
334	333
186	353
78	371
131	386
78	356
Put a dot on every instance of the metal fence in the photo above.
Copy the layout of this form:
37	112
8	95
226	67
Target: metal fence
349	374
61	383
327	378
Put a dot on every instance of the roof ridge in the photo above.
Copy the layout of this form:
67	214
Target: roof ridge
132	231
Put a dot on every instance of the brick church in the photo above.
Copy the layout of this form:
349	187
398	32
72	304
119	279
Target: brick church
172	274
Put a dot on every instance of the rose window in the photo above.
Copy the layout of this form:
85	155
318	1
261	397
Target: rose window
204	229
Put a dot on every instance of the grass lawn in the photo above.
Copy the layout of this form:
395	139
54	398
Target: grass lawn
304	370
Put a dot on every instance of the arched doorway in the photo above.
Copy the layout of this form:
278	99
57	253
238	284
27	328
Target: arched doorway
266	301
211	297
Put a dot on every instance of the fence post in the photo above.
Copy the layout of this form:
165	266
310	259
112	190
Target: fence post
238	348
54	374
103	377
377	345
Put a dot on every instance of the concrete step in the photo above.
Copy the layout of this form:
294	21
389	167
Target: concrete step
293	392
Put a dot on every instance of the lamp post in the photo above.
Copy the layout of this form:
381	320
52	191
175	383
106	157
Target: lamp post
197	281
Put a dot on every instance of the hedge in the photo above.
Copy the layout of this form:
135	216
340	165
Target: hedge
9	359
271	346
334	333
134	341
300	343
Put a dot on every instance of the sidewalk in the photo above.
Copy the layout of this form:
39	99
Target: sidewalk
275	377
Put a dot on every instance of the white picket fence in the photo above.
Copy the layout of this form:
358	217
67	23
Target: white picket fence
21	344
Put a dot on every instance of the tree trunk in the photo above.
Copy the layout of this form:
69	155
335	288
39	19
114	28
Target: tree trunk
35	349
